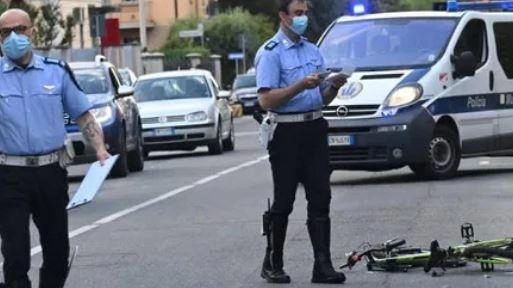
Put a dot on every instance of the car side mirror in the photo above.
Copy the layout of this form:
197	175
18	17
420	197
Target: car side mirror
464	65
223	94
124	91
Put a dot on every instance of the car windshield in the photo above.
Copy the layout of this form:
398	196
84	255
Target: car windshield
92	81
244	81
172	88
399	43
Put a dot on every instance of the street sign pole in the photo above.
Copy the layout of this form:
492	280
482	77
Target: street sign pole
244	52
236	67
142	24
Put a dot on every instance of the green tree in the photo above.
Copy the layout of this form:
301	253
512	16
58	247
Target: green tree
48	21
3	7
268	8
27	7
225	34
68	31
418	4
176	47
49	24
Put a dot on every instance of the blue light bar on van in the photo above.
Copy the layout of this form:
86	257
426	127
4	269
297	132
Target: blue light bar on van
358	7
453	5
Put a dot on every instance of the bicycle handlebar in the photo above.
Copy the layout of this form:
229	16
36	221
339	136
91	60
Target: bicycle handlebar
356	257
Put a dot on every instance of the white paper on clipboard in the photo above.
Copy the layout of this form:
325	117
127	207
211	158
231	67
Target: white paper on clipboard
92	182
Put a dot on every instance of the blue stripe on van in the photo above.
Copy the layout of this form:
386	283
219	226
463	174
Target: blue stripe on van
471	103
414	76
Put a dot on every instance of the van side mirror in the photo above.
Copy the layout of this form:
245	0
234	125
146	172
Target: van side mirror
464	65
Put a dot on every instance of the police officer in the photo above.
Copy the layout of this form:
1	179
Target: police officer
34	93
291	88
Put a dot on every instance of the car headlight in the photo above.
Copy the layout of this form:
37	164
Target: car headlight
102	114
196	116
403	96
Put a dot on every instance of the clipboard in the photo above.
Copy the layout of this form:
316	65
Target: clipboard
92	182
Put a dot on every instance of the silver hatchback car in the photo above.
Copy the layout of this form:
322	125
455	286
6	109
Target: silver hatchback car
181	110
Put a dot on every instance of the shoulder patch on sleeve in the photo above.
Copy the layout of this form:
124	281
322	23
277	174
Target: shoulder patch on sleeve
66	68
271	45
49	60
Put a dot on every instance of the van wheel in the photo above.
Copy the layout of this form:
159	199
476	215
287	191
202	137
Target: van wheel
216	146
443	156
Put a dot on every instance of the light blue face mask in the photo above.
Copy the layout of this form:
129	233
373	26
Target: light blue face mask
299	24
15	46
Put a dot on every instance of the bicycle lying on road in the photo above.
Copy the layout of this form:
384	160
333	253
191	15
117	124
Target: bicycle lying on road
392	256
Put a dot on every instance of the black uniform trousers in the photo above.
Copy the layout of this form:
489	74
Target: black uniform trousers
299	153
43	192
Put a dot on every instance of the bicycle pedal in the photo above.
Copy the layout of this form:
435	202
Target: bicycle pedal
467	232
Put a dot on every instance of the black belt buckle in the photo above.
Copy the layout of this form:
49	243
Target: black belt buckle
32	161
308	116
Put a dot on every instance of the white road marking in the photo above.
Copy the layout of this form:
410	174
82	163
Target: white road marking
484	163
37	249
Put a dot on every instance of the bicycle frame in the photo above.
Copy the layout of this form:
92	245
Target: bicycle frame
390	257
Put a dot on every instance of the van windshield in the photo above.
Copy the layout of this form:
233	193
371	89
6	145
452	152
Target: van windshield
378	44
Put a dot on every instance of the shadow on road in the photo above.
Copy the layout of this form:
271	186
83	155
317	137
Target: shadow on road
411	178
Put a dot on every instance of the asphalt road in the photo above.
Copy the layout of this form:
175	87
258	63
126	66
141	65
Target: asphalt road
193	220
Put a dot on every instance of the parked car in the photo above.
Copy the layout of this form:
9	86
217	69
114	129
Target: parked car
117	112
181	110
244	92
128	76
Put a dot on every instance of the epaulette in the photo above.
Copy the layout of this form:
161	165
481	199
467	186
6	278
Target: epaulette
66	67
49	60
271	45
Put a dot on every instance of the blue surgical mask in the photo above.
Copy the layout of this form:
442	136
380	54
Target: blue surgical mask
299	24
15	46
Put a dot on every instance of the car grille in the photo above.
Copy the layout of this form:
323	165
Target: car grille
164	119
350	110
349	154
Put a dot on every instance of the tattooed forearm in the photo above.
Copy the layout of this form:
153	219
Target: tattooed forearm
91	130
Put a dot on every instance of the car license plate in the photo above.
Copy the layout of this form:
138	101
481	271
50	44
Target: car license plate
249	104
164	131
340	140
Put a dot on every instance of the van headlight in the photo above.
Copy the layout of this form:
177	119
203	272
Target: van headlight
102	114
403	96
196	116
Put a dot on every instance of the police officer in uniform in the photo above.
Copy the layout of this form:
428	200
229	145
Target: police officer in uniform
34	93
291	89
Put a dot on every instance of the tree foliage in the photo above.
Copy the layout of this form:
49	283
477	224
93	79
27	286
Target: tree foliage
51	29
223	34
49	25
27	7
3	7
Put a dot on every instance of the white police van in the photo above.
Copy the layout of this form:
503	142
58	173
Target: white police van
429	88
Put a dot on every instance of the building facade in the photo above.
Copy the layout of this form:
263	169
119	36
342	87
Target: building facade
160	15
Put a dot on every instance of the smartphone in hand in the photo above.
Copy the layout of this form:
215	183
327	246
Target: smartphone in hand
336	72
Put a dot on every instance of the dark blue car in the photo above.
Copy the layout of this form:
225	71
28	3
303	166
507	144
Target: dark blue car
116	110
